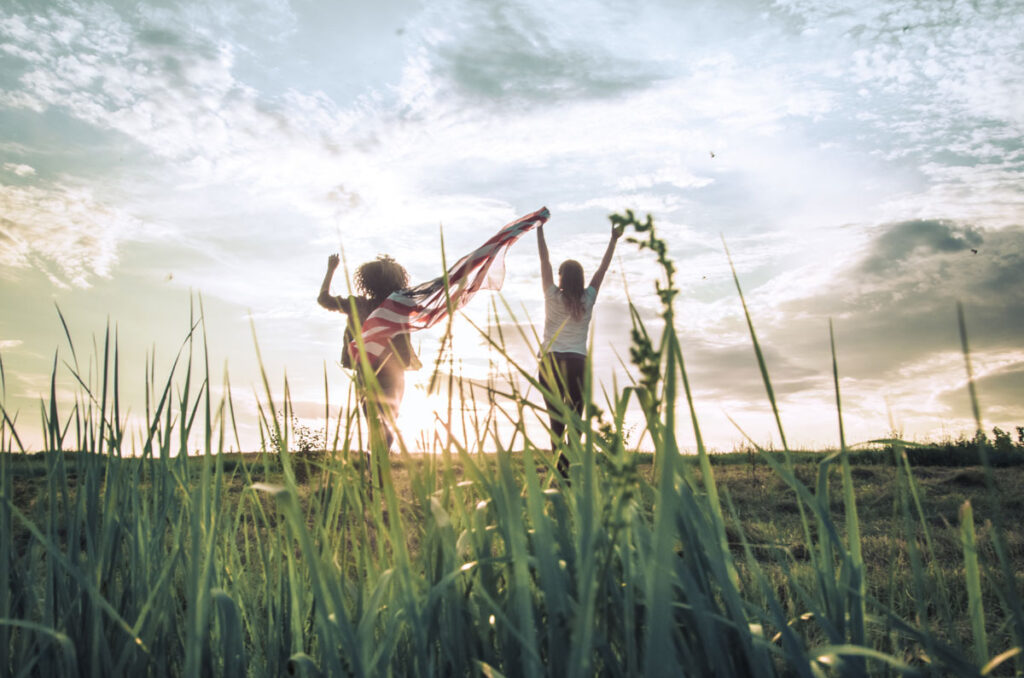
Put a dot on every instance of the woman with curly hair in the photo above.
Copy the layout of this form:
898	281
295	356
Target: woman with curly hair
567	310
375	281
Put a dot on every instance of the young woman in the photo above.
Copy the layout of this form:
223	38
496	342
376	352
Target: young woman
567	311
375	280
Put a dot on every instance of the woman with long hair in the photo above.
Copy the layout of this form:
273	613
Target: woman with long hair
375	281
568	307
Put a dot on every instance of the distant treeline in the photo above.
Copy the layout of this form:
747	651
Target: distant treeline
1000	449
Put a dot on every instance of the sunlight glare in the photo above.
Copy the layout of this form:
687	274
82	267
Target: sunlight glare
417	419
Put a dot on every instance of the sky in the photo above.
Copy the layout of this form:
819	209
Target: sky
862	161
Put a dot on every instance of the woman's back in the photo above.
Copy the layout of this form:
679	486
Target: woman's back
564	333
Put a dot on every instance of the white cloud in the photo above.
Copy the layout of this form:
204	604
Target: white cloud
677	177
18	169
641	203
987	194
64	230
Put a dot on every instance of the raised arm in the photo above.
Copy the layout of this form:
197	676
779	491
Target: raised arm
325	299
546	277
595	282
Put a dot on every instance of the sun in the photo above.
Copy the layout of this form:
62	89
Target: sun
418	420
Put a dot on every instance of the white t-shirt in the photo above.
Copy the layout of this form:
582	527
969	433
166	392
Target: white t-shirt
563	334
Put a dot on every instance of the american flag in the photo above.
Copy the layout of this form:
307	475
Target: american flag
425	305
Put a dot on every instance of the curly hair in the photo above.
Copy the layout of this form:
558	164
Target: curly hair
377	279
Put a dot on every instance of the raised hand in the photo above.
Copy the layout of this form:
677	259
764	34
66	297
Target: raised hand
333	261
617	230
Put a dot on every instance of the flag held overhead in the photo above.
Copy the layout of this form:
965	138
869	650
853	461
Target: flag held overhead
425	305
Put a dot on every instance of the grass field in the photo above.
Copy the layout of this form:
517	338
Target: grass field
157	537
895	561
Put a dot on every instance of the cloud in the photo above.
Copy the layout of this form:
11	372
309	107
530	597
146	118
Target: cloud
159	37
501	55
1002	393
900	242
891	294
18	169
175	89
677	177
204	142
64	230
973	189
730	372
171	89
896	304
935	91
90	62
893	304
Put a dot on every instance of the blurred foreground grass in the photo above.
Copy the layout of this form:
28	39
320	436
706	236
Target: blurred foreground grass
766	521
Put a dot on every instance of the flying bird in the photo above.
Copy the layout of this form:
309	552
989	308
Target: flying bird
712	153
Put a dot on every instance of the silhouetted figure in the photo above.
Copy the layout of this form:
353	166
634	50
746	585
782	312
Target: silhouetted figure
567	310
375	280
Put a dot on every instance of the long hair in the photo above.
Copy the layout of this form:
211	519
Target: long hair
377	279
570	284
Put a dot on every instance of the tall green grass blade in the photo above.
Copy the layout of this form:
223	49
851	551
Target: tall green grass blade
975	607
279	432
762	365
301	664
104	384
330	613
906	490
231	635
1011	592
854	580
972	391
832	654
509	509
759	354
67	333
659	655
68	654
998	660
707	474
59	558
552	580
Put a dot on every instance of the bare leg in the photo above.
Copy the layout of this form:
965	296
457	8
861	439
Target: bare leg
391	378
381	409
